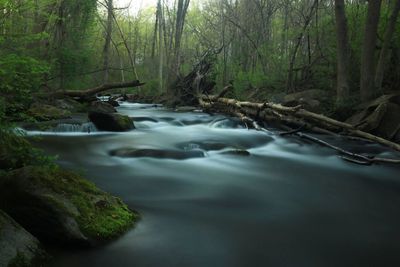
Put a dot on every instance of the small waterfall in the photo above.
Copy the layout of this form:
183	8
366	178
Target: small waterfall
79	128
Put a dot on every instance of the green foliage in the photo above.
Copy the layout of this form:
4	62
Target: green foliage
20	77
246	81
17	152
43	112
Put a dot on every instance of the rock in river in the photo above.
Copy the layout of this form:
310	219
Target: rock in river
104	118
60	207
17	246
157	153
111	122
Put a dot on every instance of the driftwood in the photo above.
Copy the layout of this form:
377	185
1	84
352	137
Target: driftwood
346	155
98	89
297	117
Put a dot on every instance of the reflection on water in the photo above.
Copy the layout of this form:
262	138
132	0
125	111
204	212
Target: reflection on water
289	203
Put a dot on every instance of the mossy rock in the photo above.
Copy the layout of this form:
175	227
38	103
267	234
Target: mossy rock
18	248
111	122
62	208
44	112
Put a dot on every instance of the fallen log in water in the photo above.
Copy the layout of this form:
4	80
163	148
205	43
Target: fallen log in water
251	112
93	91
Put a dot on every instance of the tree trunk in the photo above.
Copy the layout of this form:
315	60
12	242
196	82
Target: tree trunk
290	77
368	50
107	43
98	89
343	49
59	40
385	52
160	47
180	21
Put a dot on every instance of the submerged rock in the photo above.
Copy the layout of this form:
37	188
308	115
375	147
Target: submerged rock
236	152
60	207
111	122
157	153
17	246
204	145
185	109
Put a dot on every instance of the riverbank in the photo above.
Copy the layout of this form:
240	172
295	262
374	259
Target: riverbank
46	205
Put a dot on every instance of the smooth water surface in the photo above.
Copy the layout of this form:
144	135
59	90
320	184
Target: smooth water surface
290	203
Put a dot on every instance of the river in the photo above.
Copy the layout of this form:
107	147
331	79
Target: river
289	203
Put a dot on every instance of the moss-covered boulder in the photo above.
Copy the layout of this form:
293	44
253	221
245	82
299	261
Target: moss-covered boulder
61	207
17	247
111	122
44	112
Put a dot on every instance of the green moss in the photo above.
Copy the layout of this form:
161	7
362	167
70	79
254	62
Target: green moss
101	216
46	112
124	121
16	151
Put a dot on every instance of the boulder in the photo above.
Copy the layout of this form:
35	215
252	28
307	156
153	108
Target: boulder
379	116
102	107
103	116
157	153
390	122
111	122
17	246
309	99
60	207
185	109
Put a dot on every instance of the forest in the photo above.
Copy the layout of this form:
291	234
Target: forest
199	132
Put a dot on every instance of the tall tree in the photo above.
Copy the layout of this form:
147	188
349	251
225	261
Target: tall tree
367	87
181	12
385	52
107	41
160	46
307	21
343	48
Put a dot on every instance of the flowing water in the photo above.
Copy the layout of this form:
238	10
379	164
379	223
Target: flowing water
289	203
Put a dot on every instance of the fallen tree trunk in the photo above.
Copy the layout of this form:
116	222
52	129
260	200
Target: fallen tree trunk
293	116
98	89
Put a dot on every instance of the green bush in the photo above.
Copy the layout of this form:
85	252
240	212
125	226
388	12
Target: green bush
20	78
17	152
